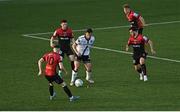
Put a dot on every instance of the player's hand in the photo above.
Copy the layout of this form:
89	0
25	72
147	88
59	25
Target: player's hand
78	54
153	52
145	25
127	49
40	73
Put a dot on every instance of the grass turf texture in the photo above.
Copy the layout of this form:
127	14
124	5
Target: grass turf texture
117	86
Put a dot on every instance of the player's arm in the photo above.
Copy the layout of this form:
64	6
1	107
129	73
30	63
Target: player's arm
128	44
127	47
151	47
61	67
52	40
72	41
40	66
142	21
74	48
148	41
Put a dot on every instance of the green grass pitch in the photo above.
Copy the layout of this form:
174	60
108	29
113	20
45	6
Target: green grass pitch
117	86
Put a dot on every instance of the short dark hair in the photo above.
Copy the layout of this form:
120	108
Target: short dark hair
89	30
64	21
126	6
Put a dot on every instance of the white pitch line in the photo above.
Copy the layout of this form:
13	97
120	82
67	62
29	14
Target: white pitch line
113	27
124	52
110	50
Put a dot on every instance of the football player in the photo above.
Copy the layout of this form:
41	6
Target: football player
138	41
135	19
65	38
53	60
81	48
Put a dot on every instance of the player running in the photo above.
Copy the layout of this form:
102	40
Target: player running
54	60
65	38
82	50
138	41
135	19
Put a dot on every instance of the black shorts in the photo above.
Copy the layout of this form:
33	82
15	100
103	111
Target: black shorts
85	59
136	58
67	51
140	31
56	78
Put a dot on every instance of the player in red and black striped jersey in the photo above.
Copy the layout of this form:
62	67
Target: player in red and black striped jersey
53	60
135	19
138	41
65	38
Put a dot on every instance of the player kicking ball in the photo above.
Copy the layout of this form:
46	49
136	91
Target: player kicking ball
81	48
53	61
138	41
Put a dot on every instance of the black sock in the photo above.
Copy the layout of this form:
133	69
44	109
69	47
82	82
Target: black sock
139	70
72	65
143	67
68	92
51	90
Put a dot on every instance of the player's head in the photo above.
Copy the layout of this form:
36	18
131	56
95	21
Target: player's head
64	24
88	33
126	8
56	49
133	31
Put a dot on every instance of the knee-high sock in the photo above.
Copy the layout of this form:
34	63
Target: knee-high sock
74	75
67	91
139	70
143	67
72	65
88	75
51	90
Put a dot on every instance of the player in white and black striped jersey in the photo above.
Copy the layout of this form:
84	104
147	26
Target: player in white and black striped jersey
81	48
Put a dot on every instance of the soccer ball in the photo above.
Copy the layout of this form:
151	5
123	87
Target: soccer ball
78	83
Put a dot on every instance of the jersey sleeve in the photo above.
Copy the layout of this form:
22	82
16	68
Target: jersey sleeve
145	39
136	15
93	41
44	57
71	33
78	41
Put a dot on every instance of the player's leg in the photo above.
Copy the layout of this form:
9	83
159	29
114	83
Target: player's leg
51	91
75	71
88	66
51	87
143	67
60	81
71	58
139	70
137	66
60	71
89	72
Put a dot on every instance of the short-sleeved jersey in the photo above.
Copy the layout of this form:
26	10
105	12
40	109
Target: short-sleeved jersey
133	18
84	45
52	59
138	44
64	37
